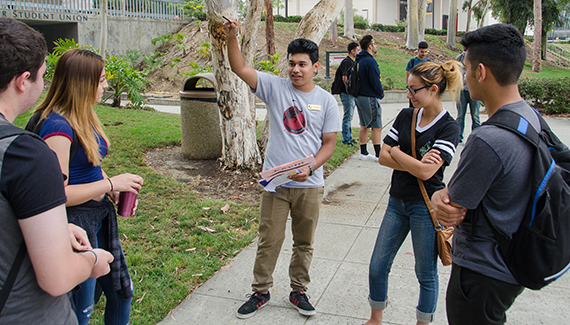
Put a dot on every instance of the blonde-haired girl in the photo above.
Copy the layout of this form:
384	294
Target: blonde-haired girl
437	135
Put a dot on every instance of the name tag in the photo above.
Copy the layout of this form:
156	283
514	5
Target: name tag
313	107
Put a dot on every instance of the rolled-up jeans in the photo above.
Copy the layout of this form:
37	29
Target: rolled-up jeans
400	218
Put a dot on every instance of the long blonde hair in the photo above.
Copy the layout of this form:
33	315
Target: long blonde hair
447	75
72	94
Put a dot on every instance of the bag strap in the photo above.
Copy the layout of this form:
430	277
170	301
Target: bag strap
436	224
7	288
514	122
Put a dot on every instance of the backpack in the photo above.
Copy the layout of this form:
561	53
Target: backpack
353	83
6	131
35	125
539	251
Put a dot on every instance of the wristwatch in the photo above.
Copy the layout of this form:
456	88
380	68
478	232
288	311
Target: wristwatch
312	170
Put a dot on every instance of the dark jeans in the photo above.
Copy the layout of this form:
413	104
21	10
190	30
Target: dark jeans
475	299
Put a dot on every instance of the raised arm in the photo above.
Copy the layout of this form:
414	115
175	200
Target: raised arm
58	269
239	67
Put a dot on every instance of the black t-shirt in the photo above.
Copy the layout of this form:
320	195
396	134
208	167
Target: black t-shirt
441	134
338	85
31	179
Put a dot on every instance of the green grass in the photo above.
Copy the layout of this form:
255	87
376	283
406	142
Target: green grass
392	64
548	71
167	253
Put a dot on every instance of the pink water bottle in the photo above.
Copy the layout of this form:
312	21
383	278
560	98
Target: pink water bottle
127	203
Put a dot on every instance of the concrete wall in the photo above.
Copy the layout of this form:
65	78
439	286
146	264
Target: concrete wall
126	33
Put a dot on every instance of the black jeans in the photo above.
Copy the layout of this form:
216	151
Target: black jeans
473	298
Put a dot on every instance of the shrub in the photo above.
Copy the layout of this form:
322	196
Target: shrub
550	95
61	45
360	22
121	76
377	27
289	19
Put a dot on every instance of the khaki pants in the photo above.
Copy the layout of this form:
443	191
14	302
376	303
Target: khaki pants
303	203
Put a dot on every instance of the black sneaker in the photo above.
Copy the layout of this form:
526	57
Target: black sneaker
250	307
300	301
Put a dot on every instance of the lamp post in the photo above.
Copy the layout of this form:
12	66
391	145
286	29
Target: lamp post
366	15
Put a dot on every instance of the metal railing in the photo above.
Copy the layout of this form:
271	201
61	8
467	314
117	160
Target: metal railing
157	9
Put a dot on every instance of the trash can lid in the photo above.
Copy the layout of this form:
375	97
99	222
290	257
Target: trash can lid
189	89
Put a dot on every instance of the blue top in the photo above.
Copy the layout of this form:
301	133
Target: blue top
81	170
415	61
369	77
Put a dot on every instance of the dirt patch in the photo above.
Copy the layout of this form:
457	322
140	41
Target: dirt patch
205	177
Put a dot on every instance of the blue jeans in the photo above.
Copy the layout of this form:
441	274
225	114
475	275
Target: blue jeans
474	105
117	310
348	106
401	217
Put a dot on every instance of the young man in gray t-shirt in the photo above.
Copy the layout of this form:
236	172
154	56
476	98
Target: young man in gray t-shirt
493	174
304	120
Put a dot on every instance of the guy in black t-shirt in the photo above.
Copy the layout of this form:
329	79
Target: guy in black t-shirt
32	198
338	87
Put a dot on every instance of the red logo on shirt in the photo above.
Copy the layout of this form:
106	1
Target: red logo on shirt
294	120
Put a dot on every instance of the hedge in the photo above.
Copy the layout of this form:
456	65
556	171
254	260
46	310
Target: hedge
549	95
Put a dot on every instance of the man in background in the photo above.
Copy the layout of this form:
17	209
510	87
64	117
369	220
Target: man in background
421	57
338	87
465	99
367	101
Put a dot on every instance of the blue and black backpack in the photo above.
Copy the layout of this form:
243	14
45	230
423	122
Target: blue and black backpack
539	252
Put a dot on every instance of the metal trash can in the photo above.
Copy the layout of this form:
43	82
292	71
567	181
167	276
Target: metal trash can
200	119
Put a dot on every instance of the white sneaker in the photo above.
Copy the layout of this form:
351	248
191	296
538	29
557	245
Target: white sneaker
368	157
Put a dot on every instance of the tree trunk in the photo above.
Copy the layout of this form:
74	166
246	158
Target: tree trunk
237	121
249	44
333	31
349	20
452	25
544	43
536	44
103	40
269	30
422	6
413	37
469	8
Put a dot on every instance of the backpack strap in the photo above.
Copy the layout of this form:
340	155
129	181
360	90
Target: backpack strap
516	123
7	288
8	130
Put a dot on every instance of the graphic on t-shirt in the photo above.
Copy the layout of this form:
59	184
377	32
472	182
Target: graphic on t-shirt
425	149
294	120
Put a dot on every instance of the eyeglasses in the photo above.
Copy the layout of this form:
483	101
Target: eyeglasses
414	91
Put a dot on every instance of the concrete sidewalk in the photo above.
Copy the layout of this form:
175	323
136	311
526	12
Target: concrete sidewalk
355	200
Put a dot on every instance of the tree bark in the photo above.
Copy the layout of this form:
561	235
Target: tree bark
469	7
239	149
269	30
452	25
333	32
536	44
422	7
349	20
103	39
413	37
